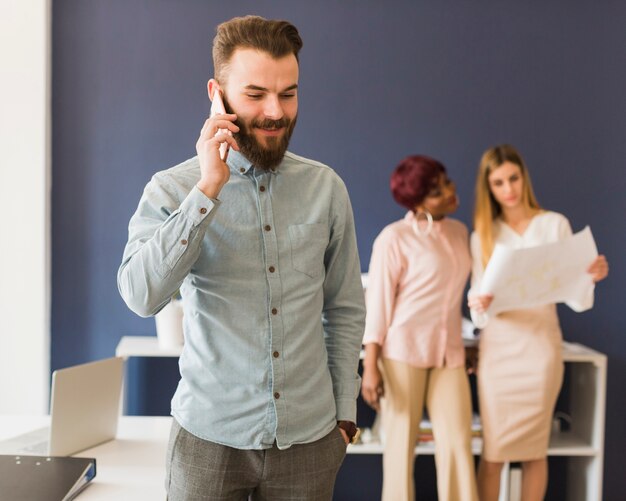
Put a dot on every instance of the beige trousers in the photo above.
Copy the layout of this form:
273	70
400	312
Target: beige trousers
447	396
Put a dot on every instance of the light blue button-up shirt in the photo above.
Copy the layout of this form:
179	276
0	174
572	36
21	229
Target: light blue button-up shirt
273	302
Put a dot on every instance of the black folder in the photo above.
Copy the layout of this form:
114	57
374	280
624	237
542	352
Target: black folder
44	478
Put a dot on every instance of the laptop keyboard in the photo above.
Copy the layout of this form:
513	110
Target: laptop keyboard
33	442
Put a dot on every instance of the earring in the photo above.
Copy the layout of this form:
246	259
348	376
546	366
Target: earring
429	223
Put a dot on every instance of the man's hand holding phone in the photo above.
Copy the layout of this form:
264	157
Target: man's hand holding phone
218	108
213	144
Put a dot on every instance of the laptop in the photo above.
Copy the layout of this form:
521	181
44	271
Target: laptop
84	411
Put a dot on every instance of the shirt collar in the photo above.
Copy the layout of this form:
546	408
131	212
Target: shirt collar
240	164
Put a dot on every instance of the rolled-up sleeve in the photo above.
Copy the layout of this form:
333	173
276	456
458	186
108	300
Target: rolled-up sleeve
164	239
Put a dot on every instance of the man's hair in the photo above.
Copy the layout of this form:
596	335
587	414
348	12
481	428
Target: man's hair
275	37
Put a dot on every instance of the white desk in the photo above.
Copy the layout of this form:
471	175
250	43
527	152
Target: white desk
130	468
583	444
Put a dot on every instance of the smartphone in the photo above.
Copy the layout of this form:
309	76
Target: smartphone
217	108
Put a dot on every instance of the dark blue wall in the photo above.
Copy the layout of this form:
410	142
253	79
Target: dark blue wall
379	80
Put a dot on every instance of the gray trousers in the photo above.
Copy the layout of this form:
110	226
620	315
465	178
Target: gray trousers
202	470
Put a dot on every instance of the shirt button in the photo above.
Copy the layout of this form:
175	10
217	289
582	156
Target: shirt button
276	354
241	169
203	210
274	311
267	227
183	241
276	395
262	188
272	269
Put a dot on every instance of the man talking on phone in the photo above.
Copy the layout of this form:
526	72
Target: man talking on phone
262	247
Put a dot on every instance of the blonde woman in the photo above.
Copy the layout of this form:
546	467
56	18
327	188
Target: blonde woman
520	369
413	345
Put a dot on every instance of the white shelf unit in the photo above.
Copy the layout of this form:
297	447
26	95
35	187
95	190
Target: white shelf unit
582	444
144	346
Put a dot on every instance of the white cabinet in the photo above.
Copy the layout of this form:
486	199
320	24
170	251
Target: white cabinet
582	443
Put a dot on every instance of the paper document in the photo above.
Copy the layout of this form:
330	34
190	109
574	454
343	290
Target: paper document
535	276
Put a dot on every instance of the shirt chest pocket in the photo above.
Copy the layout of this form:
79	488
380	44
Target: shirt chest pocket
308	246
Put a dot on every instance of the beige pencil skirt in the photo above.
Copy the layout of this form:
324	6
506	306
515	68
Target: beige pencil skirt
520	372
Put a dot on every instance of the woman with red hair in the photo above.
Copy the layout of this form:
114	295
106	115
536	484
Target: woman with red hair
414	352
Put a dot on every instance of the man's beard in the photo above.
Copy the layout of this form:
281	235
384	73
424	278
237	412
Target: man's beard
263	157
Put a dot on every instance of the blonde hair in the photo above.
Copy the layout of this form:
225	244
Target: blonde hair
486	208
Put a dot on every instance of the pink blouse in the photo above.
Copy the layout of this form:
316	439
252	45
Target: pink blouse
414	293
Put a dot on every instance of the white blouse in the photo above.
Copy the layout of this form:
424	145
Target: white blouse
544	228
